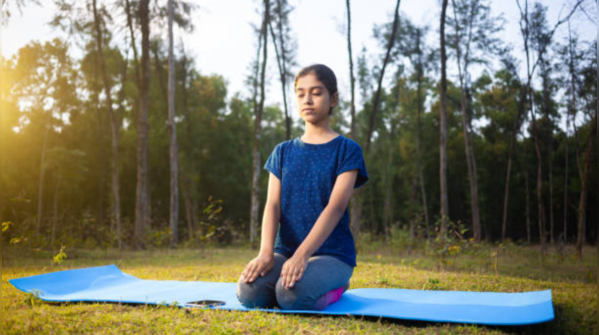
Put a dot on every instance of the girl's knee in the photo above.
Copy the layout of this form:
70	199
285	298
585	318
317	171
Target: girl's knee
253	295
245	294
298	297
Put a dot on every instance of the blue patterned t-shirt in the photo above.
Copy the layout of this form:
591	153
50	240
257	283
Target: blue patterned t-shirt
308	173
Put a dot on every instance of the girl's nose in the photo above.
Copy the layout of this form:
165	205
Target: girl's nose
308	99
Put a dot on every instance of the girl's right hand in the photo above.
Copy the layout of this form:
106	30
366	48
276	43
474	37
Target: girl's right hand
258	266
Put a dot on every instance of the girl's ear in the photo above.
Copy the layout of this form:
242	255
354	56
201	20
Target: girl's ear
335	99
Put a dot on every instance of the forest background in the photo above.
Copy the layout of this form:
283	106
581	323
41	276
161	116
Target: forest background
125	144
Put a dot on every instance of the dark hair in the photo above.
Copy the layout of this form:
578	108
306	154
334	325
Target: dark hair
324	74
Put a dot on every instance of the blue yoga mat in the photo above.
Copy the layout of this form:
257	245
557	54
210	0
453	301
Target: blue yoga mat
110	284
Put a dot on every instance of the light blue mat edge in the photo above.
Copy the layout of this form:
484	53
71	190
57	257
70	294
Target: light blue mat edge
488	308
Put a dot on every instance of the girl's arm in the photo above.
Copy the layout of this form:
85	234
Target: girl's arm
264	262
342	192
272	215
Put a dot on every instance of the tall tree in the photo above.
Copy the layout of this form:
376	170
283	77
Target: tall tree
284	46
257	128
528	233
352	80
381	75
534	35
587	90
115	121
570	111
355	219
422	60
74	18
44	82
130	16
585	185
547	124
189	160
513	87
142	212
173	150
473	39
443	128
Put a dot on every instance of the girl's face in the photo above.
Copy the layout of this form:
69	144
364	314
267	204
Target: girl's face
313	99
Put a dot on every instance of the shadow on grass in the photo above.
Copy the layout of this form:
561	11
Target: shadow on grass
515	261
542	328
567	319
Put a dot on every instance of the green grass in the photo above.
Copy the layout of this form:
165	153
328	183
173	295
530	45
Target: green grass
574	286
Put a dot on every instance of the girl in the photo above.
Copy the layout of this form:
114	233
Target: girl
306	261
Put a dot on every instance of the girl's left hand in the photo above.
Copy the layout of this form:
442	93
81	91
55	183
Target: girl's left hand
293	270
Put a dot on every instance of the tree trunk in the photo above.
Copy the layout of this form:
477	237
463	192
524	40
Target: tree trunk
119	118
100	155
376	223
355	215
55	218
577	146
257	132
530	72
160	73
550	162
571	110
282	77
173	152
355	224
133	46
413	211
190	210
424	203
549	141
506	194
377	96
142	214
281	53
352	80
419	134
468	146
114	126
474	207
40	189
189	198
388	211
567	165
443	129
541	209
527	208
582	205
515	131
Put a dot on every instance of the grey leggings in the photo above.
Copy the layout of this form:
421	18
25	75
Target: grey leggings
323	274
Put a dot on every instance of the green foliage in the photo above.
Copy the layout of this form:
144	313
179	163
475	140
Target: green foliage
46	87
33	298
213	229
432	284
446	246
5	226
60	256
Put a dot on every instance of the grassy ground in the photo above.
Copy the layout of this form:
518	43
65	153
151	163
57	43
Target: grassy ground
514	269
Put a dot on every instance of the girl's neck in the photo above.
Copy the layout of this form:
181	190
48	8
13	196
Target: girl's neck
318	134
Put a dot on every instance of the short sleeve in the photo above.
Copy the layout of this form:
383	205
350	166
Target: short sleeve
274	163
351	159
